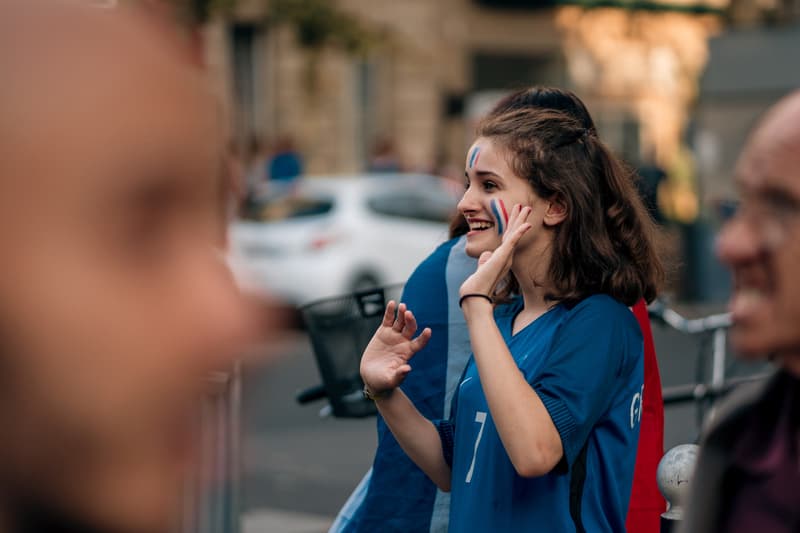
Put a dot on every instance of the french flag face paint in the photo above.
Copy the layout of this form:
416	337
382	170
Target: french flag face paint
474	156
500	215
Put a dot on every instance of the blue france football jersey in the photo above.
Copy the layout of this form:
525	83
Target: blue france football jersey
586	364
395	495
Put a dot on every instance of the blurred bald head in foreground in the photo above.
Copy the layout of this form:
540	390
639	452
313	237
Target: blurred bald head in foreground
114	304
761	245
748	472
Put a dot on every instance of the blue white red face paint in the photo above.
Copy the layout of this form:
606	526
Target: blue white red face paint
500	214
474	156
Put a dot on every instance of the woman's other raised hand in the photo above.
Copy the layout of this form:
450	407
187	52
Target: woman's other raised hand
384	364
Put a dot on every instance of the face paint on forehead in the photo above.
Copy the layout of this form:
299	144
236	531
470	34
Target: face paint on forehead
500	214
474	156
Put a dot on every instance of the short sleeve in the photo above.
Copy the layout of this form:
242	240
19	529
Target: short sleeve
591	359
446	431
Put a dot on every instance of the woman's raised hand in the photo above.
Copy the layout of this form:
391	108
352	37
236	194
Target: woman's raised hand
493	266
384	364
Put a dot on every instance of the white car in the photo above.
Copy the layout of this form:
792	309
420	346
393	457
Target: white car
333	235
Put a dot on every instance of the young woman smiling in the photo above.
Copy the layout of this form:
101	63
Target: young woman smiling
544	425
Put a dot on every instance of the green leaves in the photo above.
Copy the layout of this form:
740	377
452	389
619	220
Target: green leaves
320	23
317	23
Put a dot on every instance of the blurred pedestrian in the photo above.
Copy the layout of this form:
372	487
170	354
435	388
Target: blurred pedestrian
384	157
114	303
375	502
395	495
562	368
651	176
748	471
285	164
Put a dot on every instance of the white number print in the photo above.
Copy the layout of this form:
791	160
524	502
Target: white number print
480	418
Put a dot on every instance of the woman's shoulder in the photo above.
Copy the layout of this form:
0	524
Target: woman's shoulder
445	249
598	303
438	260
600	323
601	310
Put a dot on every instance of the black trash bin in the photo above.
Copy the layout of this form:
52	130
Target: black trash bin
340	328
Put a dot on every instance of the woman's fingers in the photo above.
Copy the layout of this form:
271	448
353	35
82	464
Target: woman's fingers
420	342
388	315
400	319
514	212
518	219
517	234
411	325
519	214
384	364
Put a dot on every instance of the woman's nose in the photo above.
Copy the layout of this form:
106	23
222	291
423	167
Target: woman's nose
468	202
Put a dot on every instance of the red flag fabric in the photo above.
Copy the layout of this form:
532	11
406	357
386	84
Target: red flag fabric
646	503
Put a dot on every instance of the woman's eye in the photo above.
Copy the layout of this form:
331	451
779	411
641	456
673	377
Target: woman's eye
489	185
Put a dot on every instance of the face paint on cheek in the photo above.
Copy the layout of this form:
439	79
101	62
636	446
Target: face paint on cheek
500	214
474	156
503	209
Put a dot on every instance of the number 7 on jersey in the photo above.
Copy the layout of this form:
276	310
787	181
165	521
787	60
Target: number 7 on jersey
480	418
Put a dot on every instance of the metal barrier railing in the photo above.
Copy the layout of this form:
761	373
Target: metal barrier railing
212	493
703	392
717	325
676	468
699	392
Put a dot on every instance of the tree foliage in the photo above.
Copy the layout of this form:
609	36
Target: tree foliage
317	23
320	23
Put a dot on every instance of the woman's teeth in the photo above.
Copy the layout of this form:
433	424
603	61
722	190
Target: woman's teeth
480	226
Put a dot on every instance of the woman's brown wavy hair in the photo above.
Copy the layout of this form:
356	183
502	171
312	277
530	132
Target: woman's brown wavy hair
605	245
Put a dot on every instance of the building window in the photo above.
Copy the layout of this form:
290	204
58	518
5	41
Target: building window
247	93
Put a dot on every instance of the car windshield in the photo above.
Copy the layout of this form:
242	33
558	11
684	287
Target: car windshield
432	203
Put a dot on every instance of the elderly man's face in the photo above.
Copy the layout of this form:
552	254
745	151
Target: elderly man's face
762	243
115	302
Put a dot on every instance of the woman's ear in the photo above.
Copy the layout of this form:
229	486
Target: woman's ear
556	212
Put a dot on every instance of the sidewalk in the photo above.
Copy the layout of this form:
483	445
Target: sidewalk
280	521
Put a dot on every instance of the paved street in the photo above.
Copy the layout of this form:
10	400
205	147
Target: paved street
300	468
293	460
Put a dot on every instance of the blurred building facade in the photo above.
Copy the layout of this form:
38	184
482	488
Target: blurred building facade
752	64
437	65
